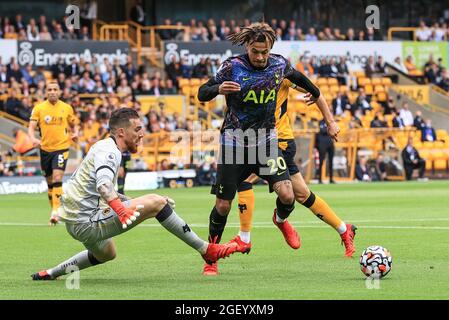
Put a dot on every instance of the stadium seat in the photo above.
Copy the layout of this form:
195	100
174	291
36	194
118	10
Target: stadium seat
332	81
369	89
363	82
386	81
195	82
324	88
334	89
321	81
183	82
376	81
379	88
381	96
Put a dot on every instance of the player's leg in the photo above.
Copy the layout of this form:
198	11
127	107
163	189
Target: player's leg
57	176
245	210
95	254
275	171
50	191
323	211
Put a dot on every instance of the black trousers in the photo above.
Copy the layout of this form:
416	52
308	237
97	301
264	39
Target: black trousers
421	165
328	149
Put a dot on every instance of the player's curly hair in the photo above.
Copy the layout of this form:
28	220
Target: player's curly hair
256	32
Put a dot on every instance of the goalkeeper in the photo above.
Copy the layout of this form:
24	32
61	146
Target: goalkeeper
94	212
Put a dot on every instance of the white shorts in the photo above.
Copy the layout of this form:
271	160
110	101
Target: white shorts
96	233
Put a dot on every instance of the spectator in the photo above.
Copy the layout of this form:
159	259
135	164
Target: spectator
399	65
406	115
362	102
14	72
372	35
362	171
200	70
343	72
310	36
350	35
325	145
72	69
377	122
337	34
412	160
444	81
45	35
411	67
389	106
84	34
370	67
428	132
380	67
58	33
380	169
361	36
418	122
340	104
423	32
155	87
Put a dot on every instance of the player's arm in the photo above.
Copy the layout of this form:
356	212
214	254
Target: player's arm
73	125
105	187
219	84
31	128
314	95
212	88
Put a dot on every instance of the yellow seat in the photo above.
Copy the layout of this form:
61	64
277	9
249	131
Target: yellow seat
334	88
369	89
381	96
195	82
364	81
324	88
332	81
183	82
379	88
386	81
376	81
321	81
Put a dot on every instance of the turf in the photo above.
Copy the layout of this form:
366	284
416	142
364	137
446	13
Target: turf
410	219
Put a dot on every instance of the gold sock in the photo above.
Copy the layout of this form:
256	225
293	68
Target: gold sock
246	208
50	196
56	196
322	210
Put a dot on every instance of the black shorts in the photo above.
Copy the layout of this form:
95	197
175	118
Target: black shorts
53	160
289	156
230	175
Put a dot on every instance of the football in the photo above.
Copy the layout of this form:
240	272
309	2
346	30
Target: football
376	261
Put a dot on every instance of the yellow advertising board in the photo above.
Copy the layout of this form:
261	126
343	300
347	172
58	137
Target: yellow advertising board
168	103
416	92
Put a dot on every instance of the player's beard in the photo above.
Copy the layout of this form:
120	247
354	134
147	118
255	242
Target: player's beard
132	145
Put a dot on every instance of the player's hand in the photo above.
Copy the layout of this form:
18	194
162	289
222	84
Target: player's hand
228	87
129	216
332	130
309	99
36	142
171	202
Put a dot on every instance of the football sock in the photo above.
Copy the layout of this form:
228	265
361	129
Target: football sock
283	210
322	210
217	224
175	225
245	236
50	195
56	195
246	209
121	185
81	260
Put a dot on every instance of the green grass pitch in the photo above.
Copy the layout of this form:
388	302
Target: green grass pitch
410	219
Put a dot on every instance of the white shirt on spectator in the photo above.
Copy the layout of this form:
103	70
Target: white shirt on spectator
423	34
407	117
